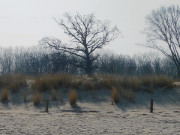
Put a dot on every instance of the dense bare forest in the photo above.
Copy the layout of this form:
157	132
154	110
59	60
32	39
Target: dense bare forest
37	60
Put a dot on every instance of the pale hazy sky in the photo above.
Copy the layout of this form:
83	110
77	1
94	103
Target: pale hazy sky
25	22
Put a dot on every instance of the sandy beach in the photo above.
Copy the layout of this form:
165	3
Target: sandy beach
95	117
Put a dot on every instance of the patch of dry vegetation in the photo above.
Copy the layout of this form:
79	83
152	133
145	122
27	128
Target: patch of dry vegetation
115	95
47	82
120	86
72	97
40	85
135	83
150	83
13	82
4	94
36	98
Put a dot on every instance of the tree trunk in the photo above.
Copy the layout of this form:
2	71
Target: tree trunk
88	60
89	66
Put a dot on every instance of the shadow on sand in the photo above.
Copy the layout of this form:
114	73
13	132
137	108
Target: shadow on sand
160	98
5	104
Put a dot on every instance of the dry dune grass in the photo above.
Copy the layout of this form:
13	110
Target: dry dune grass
120	86
40	84
134	83
13	82
72	97
115	95
126	85
36	98
4	94
47	82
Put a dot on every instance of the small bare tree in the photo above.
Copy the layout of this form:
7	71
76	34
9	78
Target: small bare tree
87	35
163	32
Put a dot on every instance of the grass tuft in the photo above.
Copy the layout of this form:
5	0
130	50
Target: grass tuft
72	97
4	94
36	98
115	95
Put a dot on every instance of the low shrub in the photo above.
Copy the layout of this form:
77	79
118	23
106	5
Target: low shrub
72	97
4	94
36	98
115	95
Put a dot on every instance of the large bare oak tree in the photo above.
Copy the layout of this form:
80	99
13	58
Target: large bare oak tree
87	34
163	32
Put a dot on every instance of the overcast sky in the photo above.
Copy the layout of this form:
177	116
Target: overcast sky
25	22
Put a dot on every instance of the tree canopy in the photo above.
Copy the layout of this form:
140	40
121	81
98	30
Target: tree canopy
87	34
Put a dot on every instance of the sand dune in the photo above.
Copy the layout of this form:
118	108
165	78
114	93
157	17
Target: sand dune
96	117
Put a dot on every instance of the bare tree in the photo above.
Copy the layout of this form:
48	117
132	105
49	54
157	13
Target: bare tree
163	32
87	35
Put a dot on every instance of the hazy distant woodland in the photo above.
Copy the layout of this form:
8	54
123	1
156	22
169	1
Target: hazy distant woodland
37	60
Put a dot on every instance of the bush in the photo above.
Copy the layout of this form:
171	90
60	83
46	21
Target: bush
115	95
4	94
72	97
36	98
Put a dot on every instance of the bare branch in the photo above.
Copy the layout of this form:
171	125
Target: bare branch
87	35
164	25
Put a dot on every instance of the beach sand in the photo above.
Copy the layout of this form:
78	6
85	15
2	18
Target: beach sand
95	116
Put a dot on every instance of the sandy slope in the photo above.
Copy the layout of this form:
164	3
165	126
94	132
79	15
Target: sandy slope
96	117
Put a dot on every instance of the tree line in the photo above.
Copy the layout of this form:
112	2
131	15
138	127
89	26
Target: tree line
37	60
